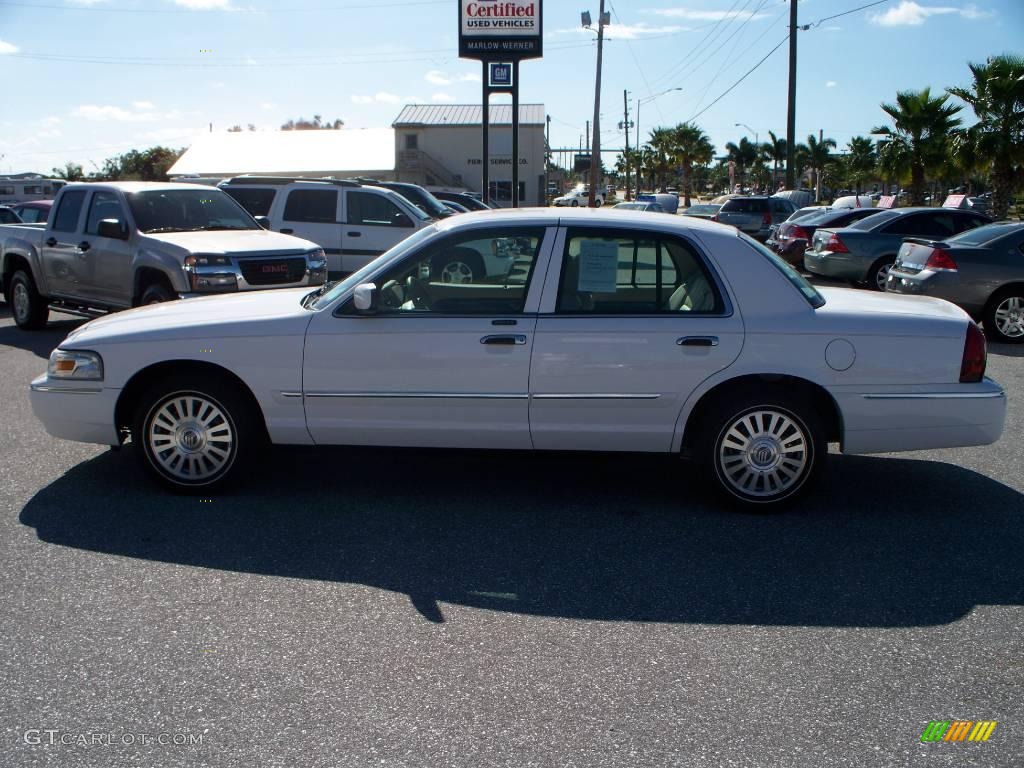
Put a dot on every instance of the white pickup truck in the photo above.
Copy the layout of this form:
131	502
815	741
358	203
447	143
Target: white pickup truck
117	245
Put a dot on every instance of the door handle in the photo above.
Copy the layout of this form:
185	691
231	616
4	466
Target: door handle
353	234
287	231
503	339
51	241
697	341
503	322
84	246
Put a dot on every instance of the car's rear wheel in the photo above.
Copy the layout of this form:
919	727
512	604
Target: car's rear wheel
765	451
575	203
1004	316
191	436
29	308
879	273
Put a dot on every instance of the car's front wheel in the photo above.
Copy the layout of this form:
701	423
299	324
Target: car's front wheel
764	451
29	308
192	436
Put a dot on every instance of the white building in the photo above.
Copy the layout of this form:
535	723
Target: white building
440	145
435	145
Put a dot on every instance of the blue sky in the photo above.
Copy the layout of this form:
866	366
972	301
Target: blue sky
85	79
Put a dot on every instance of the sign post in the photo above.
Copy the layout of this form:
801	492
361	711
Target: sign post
500	34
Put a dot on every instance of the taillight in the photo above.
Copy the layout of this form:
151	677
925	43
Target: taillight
798	232
972	367
836	245
940	261
766	220
715	217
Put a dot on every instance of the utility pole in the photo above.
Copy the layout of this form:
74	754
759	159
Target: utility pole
791	111
625	125
817	171
547	158
588	135
595	151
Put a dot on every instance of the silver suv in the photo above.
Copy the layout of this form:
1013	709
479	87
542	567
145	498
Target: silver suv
755	215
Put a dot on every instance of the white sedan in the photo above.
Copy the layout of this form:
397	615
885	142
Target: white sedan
608	331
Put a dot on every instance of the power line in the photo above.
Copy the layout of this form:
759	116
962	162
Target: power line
844	13
227	9
748	72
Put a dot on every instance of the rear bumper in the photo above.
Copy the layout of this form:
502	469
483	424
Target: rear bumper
80	411
939	285
925	418
843	266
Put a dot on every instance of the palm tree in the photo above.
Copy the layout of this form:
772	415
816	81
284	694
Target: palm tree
922	125
775	150
662	144
691	147
860	161
743	155
997	98
818	156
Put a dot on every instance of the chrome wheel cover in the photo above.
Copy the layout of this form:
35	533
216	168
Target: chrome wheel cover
456	272
20	302
882	276
763	453
190	438
1009	317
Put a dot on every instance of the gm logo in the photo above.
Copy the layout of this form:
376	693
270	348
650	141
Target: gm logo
501	75
958	730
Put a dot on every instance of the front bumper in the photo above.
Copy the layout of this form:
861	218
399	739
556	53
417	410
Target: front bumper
843	266
75	410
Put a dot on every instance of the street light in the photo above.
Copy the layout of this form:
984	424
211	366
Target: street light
647	101
603	19
757	141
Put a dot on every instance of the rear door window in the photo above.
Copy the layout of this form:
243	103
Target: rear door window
313	205
69	210
256	201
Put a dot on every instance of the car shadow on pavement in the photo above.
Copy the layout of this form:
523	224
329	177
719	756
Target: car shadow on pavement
883	542
41	342
1005	350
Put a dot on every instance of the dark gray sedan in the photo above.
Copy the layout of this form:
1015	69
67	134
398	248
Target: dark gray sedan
981	270
864	252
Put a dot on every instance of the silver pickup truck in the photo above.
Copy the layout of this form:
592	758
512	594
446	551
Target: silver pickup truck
117	245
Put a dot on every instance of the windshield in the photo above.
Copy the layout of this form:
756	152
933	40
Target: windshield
809	292
422	199
330	291
187	210
985	234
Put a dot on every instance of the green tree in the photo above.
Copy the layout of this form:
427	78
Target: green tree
743	155
662	145
302	124
860	161
691	147
819	155
148	165
775	150
69	172
997	97
921	125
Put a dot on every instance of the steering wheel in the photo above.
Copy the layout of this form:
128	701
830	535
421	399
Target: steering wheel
392	295
415	291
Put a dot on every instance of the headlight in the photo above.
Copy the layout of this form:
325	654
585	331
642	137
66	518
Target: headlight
74	364
317	259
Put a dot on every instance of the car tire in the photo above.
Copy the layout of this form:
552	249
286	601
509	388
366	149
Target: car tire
156	293
879	272
764	451
575	203
1004	316
457	270
192	433
28	306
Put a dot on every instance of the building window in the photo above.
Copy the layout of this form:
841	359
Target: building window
412	141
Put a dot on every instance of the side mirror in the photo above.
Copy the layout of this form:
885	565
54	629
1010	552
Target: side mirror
401	220
263	221
364	298
112	228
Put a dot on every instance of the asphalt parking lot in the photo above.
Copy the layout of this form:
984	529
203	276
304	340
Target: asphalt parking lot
411	608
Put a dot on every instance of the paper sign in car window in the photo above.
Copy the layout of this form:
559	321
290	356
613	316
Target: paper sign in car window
599	266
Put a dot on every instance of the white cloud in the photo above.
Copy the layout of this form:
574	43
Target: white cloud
6	47
108	112
267	105
382	97
52	120
691	15
436	78
831	84
911	14
205	5
143	105
50	134
442	97
623	31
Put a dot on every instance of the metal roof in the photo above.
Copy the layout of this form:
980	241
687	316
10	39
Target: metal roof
348	150
467	114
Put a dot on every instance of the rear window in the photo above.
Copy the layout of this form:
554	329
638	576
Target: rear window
986	234
256	201
809	292
312	205
740	205
878	219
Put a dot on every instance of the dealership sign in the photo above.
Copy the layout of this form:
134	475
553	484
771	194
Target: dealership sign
500	29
